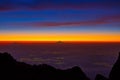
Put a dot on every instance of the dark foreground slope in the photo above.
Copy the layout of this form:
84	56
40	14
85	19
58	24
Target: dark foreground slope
10	69
114	74
100	77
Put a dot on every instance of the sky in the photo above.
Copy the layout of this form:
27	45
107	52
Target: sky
59	20
63	20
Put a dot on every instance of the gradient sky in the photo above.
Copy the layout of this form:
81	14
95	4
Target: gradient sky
65	20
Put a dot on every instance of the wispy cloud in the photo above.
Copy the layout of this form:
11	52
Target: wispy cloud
103	64
110	19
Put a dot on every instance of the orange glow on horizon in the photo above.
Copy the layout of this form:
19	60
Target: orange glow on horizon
61	37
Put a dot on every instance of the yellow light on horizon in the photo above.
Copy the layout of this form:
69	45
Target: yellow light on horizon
60	37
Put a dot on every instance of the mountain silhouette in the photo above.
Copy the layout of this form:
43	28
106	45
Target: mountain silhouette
100	77
115	72
10	69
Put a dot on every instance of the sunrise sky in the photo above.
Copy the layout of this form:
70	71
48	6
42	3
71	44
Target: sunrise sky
60	20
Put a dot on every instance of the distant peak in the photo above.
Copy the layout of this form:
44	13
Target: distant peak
59	42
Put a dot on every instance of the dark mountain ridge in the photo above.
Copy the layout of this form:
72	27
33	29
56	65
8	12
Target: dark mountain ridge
10	69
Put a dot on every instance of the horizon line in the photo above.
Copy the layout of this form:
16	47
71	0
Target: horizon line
60	41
